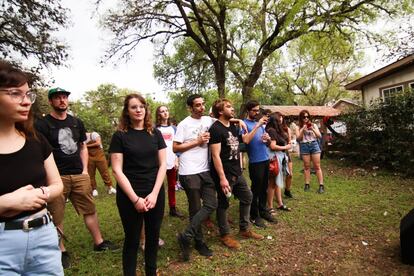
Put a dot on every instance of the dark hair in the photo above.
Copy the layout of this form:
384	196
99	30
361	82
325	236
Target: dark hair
191	98
218	106
301	117
158	116
284	124
125	121
11	76
282	136
250	104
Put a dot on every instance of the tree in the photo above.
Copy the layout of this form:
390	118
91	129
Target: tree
236	35
100	110
26	32
320	66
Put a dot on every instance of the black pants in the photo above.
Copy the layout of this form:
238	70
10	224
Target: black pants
259	175
132	223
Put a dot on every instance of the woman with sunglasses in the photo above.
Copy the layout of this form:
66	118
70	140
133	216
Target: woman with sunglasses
279	145
307	134
29	179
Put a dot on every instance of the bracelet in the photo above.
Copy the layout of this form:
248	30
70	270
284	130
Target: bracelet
136	201
43	191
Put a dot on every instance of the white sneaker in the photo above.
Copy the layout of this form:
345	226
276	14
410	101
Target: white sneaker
111	191
95	193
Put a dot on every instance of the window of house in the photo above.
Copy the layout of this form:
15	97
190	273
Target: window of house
388	93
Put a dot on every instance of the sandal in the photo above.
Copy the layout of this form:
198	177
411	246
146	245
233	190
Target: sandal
284	208
272	211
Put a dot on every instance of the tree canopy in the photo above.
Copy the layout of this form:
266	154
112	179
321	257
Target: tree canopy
237	37
27	32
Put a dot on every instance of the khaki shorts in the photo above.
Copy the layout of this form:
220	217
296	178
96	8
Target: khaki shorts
76	187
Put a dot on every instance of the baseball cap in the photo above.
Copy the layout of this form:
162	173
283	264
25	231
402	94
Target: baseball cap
57	90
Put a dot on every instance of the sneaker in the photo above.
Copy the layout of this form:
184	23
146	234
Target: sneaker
95	193
65	260
184	246
269	218
230	242
307	188
105	245
321	189
203	249
249	234
288	194
174	213
112	191
259	222
178	186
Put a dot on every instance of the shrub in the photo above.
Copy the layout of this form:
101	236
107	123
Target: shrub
382	135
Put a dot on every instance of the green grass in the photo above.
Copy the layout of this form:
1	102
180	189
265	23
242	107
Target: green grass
351	229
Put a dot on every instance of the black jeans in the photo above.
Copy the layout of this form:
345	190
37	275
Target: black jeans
259	175
198	187
242	192
132	223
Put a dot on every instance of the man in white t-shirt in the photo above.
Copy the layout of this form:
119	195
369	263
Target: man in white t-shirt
191	140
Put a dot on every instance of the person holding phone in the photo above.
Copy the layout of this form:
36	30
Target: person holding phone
307	134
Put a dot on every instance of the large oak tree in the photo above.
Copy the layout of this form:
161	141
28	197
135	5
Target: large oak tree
236	36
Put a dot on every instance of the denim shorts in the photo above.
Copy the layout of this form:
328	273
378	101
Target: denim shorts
311	147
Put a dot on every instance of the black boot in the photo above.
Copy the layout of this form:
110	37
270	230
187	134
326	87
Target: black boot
175	213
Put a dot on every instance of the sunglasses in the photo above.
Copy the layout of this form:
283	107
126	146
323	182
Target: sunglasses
305	117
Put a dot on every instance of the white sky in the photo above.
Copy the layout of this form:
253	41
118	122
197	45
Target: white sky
86	49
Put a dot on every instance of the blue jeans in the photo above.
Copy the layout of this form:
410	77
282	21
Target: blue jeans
309	147
35	252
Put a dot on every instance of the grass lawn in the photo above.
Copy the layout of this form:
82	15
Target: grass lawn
352	229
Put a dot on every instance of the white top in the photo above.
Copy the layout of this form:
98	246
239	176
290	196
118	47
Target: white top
195	160
92	138
309	135
168	133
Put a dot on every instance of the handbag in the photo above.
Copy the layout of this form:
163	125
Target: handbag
274	166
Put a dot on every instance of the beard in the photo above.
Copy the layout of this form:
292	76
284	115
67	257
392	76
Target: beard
60	109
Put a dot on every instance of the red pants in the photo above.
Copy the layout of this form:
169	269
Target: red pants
172	180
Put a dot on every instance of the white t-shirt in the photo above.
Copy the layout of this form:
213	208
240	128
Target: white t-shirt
195	160
92	138
168	133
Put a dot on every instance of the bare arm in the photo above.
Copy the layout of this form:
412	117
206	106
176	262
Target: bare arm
182	147
53	180
250	135
84	157
151	199
96	143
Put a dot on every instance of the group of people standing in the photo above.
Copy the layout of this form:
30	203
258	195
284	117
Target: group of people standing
142	154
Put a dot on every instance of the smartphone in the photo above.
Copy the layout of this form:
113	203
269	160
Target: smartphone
309	125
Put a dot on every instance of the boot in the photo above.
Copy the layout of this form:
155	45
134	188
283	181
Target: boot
175	213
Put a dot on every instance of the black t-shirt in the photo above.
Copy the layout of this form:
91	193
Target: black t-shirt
65	136
24	167
140	156
230	155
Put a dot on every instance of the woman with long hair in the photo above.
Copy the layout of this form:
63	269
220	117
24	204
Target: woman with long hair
167	130
279	145
307	134
138	159
29	180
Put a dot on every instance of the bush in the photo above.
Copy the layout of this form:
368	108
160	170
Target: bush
382	135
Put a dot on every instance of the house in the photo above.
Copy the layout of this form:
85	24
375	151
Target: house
386	82
345	105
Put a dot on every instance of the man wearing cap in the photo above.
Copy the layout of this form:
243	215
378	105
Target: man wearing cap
67	135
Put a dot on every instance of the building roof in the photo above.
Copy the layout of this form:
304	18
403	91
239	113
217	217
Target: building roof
348	101
294	110
381	73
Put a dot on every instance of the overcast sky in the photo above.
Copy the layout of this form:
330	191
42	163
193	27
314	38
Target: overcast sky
87	47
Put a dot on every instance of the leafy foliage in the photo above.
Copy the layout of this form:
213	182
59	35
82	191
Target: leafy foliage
237	38
383	134
26	32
